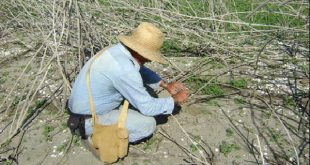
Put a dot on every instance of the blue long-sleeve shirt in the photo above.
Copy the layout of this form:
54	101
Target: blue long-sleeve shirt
115	76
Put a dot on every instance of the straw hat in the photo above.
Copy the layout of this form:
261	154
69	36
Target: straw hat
146	40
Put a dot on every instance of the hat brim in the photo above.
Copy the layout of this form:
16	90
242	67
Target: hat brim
135	45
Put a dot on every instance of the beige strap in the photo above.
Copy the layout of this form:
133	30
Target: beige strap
123	116
90	96
124	112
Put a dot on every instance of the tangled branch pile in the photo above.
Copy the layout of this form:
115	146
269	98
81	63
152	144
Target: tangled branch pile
45	43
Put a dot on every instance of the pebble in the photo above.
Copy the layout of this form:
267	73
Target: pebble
216	150
165	156
182	139
53	156
279	110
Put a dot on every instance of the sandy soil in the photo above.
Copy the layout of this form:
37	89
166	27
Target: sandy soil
212	124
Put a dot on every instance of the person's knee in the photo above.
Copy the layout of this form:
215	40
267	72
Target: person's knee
144	128
150	126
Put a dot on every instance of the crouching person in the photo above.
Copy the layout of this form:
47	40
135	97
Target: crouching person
116	74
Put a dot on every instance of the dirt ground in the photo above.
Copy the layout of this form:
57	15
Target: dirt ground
201	120
223	129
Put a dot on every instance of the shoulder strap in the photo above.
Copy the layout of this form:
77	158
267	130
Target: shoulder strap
90	96
123	115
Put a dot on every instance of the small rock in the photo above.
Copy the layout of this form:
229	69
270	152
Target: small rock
53	156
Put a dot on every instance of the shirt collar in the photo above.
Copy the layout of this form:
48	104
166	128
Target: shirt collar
128	54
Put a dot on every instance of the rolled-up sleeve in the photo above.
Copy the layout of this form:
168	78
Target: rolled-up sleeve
130	85
150	78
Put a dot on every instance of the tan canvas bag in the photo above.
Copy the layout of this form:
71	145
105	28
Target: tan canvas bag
109	141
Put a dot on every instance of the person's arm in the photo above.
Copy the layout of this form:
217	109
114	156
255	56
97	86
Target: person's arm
150	78
174	88
130	85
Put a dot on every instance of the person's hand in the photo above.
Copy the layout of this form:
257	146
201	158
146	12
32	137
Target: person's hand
175	87
180	97
178	91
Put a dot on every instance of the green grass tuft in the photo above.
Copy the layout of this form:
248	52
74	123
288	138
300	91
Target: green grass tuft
227	148
47	132
214	90
239	83
239	100
229	132
170	46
